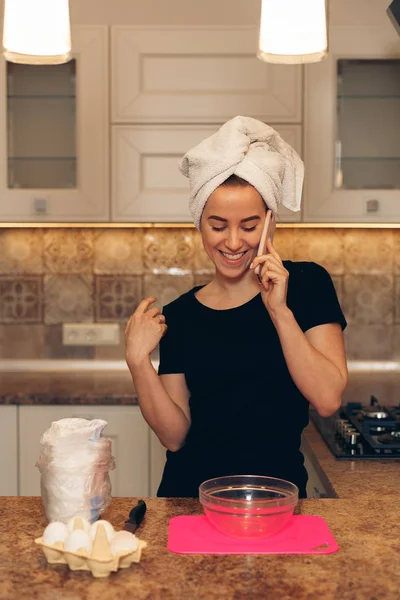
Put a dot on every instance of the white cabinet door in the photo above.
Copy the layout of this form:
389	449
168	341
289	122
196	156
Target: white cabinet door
89	199
317	485
322	201
8	451
198	75
157	463
126	428
147	185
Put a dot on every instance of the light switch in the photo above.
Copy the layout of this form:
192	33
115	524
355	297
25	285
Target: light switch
90	334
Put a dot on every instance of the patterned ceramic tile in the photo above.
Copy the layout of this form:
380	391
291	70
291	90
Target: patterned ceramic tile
396	349
117	297
169	251
368	342
323	246
54	347
118	251
202	263
21	251
21	299
368	251
396	293
116	352
68	299
338	283
396	246
203	278
68	251
368	300
22	341
283	243
361	385
167	288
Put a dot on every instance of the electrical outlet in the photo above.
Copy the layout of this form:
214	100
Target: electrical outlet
90	334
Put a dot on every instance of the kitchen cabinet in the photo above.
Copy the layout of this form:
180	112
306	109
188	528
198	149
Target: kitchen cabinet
126	428
147	185
198	75
352	128
317	484
54	160
8	451
157	462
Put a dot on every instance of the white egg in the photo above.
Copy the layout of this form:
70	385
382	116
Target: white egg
123	540
55	532
72	523
107	526
78	539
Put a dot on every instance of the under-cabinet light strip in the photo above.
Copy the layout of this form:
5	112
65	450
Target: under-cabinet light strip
354	366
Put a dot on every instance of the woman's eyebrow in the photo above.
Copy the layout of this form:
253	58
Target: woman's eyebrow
226	220
250	219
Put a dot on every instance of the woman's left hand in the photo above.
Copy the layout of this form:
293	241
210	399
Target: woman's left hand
274	280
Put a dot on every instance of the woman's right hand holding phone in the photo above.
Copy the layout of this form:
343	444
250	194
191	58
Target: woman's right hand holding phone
143	332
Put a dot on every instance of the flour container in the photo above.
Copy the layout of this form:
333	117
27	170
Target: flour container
74	463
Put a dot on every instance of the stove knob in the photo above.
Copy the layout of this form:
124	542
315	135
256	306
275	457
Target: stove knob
338	423
341	423
352	437
345	428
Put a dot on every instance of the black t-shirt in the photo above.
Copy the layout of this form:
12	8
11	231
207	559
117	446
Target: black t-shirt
247	413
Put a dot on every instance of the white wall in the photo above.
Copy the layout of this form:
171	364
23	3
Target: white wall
209	12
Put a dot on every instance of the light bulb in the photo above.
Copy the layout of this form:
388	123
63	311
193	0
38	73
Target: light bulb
37	32
293	31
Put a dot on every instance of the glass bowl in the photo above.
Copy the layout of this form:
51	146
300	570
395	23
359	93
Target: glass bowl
248	506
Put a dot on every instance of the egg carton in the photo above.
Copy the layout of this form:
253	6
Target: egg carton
101	561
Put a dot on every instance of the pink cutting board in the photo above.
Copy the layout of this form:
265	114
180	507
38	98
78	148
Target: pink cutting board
305	534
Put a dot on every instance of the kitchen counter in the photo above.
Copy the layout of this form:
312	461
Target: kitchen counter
365	568
364	519
66	387
369	479
113	384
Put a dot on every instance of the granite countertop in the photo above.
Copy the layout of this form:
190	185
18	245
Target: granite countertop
67	387
352	479
364	568
108	386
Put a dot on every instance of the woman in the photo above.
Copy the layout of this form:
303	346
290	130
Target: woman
241	360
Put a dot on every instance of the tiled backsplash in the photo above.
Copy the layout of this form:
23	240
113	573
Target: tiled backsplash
51	276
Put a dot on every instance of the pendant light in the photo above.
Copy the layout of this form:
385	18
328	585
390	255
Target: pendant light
37	32
293	31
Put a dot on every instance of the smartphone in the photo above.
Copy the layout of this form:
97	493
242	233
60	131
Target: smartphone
267	233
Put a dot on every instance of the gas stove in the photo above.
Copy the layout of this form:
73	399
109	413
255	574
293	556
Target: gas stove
358	431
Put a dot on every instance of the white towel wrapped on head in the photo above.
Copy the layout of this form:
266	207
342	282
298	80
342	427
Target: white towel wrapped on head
251	150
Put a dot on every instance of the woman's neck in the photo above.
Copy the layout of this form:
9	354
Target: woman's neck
222	293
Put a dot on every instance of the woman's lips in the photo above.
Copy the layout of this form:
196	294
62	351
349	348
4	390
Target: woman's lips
232	259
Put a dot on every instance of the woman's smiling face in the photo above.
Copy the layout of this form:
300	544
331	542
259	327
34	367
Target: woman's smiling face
231	226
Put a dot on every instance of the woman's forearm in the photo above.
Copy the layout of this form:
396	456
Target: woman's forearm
317	378
165	418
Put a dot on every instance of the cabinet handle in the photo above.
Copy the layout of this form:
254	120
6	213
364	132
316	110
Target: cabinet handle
40	206
372	206
316	493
